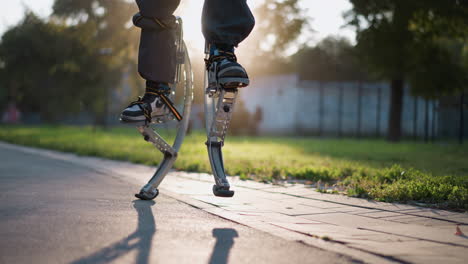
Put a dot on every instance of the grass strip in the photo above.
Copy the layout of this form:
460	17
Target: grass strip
427	173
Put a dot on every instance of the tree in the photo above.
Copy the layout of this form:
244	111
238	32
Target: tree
398	40
332	59
279	23
438	69
48	68
115	40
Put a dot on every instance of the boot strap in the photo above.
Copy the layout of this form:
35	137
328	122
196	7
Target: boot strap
162	92
222	55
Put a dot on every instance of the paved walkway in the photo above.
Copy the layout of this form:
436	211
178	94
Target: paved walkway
371	231
53	211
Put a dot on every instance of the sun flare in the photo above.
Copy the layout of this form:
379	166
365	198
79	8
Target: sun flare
191	11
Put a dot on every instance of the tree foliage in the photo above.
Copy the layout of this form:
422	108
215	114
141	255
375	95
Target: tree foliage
405	41
279	24
332	59
114	38
438	69
110	23
48	68
420	41
73	60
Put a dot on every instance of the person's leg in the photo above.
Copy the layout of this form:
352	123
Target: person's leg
156	58
225	24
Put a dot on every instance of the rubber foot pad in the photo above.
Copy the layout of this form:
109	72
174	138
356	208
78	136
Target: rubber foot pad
222	192
132	122
145	196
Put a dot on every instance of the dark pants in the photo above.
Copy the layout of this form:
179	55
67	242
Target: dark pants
224	22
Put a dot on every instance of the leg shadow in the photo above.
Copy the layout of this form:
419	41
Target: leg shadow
139	240
224	242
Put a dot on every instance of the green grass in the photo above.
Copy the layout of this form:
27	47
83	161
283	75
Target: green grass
428	173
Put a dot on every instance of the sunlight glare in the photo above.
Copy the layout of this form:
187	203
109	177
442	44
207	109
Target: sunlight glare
191	11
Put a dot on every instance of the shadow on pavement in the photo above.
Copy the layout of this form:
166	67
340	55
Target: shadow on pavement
224	242
139	240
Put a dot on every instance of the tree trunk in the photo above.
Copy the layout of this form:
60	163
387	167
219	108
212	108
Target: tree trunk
461	128
396	109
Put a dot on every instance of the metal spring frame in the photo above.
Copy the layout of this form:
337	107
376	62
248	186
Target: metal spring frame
219	106
183	73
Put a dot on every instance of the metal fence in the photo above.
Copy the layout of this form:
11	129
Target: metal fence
349	109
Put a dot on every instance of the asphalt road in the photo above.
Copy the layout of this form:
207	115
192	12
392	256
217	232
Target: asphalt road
53	211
